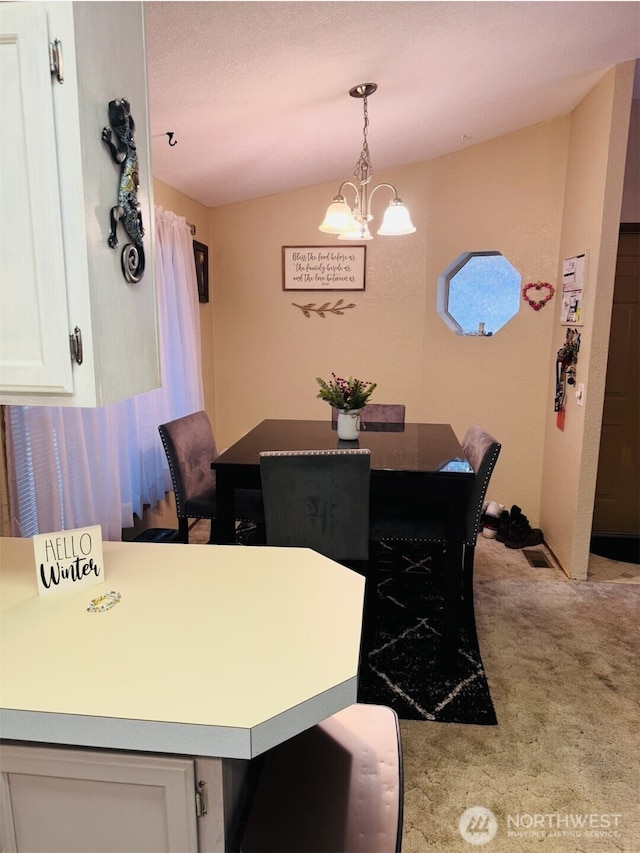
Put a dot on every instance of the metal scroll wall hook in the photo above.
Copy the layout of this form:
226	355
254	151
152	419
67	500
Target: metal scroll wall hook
172	141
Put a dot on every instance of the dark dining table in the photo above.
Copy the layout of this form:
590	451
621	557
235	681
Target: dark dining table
412	460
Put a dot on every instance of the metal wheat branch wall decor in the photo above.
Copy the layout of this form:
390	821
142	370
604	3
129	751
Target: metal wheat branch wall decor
322	310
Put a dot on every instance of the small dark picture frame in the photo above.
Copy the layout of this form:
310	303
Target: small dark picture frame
201	255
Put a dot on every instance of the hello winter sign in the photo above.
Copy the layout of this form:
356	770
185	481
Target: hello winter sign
68	559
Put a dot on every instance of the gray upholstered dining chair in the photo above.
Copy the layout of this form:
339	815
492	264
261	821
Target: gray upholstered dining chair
318	499
191	448
482	451
337	787
378	413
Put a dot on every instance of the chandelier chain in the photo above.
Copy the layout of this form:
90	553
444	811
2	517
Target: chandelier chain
363	170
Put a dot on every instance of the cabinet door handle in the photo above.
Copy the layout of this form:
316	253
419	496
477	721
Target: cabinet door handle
202	799
75	342
56	60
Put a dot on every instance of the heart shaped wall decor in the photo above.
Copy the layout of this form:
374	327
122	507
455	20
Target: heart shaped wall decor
537	304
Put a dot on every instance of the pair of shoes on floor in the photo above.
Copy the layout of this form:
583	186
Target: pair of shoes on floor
515	531
490	519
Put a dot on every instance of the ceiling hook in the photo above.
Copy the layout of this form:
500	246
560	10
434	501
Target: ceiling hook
172	141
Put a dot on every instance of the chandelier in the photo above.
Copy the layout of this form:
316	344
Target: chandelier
354	224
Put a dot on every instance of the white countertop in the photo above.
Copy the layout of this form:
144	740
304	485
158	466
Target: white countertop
213	650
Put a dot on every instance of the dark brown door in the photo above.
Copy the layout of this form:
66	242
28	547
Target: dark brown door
617	502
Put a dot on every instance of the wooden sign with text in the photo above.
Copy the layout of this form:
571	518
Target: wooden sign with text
323	267
69	559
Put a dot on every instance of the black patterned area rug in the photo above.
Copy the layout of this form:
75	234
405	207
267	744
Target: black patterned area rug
404	668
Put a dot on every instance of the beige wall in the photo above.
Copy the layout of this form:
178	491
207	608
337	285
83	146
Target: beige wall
507	194
631	193
595	176
260	355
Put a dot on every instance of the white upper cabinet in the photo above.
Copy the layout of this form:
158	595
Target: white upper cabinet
61	64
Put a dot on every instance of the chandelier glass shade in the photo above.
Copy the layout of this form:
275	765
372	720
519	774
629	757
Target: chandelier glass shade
353	223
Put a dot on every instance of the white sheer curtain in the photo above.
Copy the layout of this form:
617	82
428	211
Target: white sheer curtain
72	467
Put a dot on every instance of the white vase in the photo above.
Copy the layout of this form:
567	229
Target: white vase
349	424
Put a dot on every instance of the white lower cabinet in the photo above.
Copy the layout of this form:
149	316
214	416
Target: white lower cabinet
63	800
61	64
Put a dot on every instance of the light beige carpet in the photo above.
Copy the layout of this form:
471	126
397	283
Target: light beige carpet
560	770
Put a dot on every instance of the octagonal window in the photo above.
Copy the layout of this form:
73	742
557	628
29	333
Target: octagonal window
478	293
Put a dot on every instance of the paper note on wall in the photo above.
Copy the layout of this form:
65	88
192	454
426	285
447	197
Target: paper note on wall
69	559
574	272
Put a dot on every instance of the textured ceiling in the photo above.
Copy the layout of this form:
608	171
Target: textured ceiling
256	93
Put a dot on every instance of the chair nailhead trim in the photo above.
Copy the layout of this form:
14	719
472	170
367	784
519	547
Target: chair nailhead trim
476	525
179	508
360	451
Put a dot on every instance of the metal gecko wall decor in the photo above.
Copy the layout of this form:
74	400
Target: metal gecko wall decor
124	154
